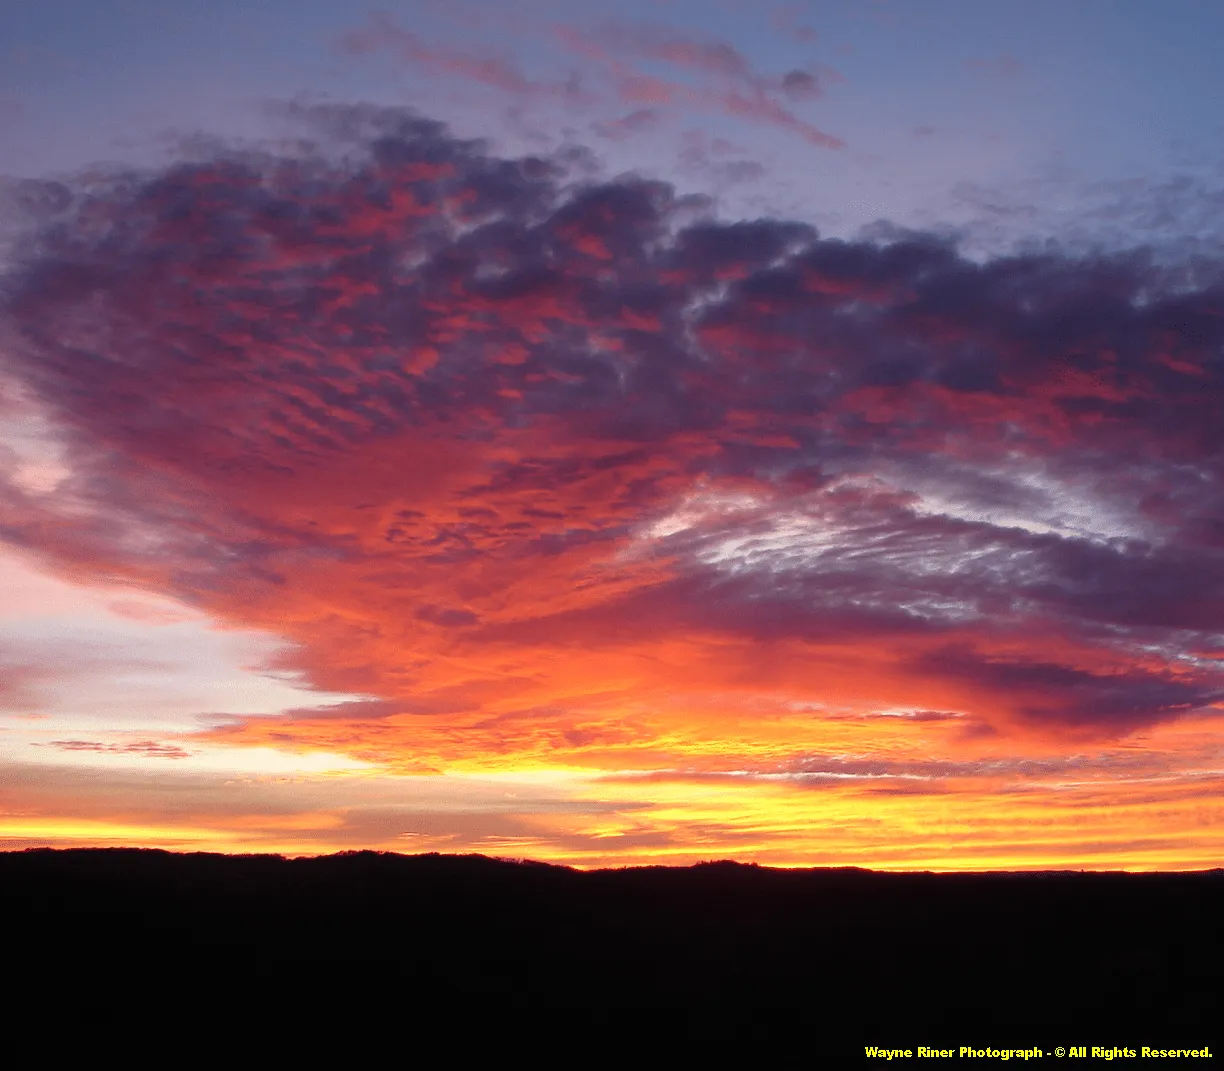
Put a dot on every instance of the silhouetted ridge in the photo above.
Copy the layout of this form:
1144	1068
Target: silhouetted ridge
728	945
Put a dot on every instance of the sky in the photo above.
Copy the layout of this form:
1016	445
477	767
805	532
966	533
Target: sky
615	434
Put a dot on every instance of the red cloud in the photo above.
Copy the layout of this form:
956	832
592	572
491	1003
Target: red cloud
555	478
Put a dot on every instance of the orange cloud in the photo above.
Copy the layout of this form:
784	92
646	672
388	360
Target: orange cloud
742	540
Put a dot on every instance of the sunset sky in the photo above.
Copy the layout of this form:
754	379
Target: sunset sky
615	433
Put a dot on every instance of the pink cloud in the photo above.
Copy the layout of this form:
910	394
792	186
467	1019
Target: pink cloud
618	59
617	47
761	106
384	34
671	46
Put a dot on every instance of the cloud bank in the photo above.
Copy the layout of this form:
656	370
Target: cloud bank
574	474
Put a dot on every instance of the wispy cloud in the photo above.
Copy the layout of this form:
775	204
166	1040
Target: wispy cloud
150	748
649	68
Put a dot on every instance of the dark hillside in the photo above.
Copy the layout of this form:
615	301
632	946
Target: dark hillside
722	949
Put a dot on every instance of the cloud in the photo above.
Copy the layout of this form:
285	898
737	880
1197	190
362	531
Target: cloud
702	155
677	48
634	122
552	473
1068	696
447	617
800	85
19	684
653	69
148	748
384	34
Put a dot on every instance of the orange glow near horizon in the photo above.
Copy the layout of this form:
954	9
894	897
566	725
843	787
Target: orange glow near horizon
683	821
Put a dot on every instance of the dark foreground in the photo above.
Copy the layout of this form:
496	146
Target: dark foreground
714	951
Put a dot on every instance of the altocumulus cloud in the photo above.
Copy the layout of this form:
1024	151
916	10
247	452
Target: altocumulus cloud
523	457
